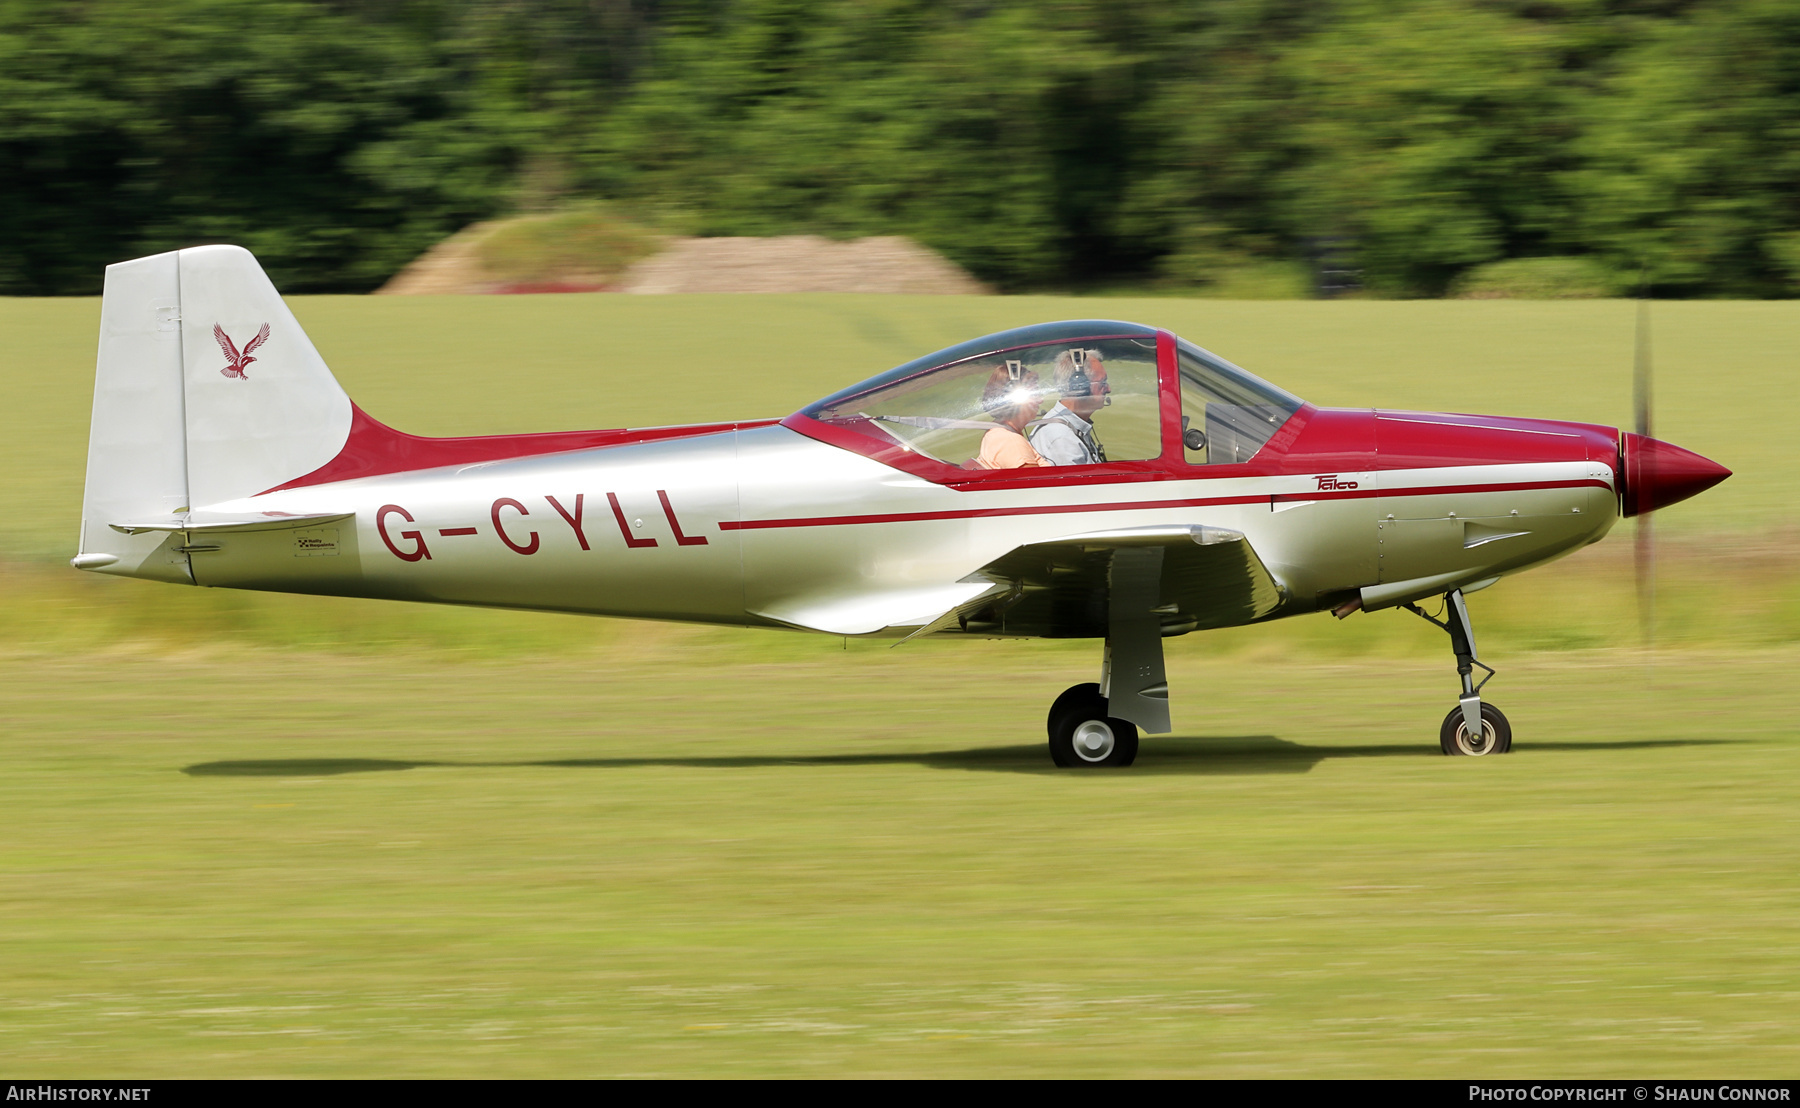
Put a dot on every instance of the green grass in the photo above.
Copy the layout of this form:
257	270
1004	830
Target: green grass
656	862
269	835
1539	279
1722	594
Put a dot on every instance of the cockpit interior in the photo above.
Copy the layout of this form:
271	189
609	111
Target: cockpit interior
1091	395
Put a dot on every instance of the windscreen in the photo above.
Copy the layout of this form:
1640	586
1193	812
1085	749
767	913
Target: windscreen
1227	414
1073	402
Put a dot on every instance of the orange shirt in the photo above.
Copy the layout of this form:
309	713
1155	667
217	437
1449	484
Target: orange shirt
1005	448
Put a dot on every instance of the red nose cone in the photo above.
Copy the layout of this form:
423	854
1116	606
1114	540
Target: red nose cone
1657	474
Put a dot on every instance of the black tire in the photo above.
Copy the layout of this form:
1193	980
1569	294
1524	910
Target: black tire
1496	733
1109	743
1084	700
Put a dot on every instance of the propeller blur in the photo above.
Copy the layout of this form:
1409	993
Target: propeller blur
1080	479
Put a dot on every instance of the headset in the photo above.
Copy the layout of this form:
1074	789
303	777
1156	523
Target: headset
1080	381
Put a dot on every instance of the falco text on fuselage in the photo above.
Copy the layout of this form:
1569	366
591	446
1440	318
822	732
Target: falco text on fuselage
927	500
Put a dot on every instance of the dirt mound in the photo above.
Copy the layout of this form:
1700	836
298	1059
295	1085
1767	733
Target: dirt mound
798	263
451	267
578	249
541	254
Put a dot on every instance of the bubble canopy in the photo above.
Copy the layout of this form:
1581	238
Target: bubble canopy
1100	395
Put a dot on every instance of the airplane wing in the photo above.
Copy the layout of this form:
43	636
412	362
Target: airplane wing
1065	588
1188	577
865	613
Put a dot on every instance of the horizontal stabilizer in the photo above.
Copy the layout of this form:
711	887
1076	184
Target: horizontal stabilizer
219	522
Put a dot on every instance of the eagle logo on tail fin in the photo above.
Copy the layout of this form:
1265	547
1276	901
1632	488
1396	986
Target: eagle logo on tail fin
238	360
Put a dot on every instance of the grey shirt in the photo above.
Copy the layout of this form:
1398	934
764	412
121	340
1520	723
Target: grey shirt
1065	439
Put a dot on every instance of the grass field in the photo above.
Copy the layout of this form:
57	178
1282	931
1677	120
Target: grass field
262	835
258	865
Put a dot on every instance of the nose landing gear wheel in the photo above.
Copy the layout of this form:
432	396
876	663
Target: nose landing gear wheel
1495	737
1083	735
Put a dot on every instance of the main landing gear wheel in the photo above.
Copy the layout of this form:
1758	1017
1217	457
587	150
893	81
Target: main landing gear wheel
1083	735
1495	737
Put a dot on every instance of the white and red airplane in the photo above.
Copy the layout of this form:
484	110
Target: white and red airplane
1191	495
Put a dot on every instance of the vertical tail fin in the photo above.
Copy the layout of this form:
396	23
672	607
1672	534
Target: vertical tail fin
137	443
206	391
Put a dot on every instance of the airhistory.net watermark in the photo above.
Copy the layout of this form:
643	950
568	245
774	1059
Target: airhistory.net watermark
42	1094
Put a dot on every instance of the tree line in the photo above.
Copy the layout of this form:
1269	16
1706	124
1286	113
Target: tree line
1039	143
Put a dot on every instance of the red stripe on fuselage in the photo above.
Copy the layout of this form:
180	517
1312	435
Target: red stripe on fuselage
374	449
1144	505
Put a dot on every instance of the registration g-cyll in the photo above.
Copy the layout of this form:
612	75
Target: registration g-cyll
224	454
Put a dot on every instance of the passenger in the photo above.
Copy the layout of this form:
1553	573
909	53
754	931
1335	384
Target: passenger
1065	437
1011	400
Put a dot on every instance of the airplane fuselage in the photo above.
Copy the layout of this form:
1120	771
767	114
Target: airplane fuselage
763	525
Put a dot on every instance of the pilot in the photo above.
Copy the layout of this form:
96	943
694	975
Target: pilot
1065	437
1011	399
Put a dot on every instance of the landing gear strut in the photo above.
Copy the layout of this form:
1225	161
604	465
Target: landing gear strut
1472	728
1097	725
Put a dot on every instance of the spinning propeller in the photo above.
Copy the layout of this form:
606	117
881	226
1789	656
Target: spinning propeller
1642	402
1655	474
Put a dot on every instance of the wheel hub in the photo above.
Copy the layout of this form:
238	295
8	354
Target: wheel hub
1094	741
1472	746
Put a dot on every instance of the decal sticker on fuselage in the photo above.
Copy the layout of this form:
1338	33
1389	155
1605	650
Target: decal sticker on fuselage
513	531
319	542
240	360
